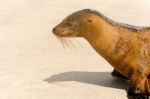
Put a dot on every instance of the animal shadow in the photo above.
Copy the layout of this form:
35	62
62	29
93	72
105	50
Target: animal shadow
95	78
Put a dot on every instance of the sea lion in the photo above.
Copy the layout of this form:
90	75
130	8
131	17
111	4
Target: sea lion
125	47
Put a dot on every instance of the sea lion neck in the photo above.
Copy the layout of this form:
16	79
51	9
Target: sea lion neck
100	36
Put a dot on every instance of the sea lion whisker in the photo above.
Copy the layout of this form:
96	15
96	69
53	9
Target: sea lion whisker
58	38
62	41
77	42
71	43
65	42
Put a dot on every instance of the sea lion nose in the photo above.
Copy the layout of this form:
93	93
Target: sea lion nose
54	30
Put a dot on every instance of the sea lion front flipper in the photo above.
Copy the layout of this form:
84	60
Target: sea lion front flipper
139	86
117	74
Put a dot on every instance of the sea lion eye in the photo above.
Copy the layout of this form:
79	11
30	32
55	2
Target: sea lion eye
71	25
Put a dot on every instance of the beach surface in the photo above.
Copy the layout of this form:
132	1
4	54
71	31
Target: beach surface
35	65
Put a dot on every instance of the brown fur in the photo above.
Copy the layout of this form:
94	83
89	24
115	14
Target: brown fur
125	47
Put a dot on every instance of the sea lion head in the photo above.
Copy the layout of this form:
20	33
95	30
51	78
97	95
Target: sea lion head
75	25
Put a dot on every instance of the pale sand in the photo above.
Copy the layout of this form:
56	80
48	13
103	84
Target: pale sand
33	63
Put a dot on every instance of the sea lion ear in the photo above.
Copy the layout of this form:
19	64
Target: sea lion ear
89	20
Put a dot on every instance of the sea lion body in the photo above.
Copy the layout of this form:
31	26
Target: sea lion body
125	47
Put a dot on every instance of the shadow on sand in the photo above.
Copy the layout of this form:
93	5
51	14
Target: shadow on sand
95	78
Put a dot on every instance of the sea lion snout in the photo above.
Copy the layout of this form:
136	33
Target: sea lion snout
54	30
57	31
64	31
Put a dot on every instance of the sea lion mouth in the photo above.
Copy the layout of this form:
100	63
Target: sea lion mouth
61	32
64	35
66	40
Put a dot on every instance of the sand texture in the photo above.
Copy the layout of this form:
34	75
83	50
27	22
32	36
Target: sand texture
34	64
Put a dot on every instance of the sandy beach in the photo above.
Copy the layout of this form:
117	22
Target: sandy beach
34	64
